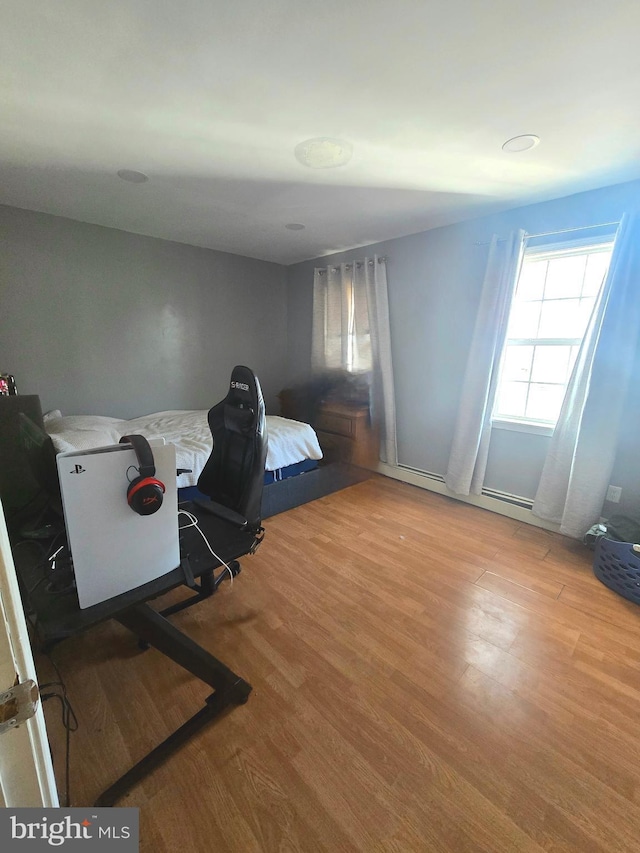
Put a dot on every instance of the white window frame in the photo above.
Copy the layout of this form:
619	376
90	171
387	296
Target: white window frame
550	248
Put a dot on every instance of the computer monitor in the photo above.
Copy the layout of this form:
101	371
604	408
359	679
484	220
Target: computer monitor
18	488
40	455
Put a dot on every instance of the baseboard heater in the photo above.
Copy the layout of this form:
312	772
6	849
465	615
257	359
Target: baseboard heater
506	497
428	474
516	500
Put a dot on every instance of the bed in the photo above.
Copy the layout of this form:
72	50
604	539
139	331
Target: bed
292	477
293	447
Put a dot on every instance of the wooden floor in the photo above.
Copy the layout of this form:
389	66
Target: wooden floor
427	676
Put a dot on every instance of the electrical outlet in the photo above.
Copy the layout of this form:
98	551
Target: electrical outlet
614	493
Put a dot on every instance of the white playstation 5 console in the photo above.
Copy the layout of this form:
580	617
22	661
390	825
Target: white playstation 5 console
114	549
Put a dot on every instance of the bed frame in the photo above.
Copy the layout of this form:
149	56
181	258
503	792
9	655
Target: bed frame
281	495
323	480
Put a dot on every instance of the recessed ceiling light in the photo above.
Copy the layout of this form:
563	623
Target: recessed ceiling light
132	176
294	226
521	143
324	152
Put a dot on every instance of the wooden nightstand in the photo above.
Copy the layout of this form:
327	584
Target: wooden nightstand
346	434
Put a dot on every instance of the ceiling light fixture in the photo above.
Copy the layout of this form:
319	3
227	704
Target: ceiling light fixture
132	176
518	144
324	152
294	226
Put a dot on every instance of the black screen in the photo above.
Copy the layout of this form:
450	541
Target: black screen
40	454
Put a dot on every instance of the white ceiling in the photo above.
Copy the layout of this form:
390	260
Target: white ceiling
210	97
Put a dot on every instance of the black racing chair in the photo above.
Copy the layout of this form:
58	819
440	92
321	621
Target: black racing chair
233	479
233	476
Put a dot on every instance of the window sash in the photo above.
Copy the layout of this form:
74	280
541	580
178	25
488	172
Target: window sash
543	342
536	254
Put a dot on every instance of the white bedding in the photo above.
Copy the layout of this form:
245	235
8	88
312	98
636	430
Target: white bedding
288	441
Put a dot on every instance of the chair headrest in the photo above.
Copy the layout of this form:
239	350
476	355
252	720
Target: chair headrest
243	389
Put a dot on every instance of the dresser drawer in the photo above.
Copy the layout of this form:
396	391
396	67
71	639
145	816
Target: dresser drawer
335	422
335	448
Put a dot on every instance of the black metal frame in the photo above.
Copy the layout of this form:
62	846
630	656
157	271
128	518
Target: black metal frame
209	583
57	617
229	690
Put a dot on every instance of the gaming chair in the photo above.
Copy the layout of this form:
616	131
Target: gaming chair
233	476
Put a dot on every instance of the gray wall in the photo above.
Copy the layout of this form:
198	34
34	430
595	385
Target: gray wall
435	280
99	321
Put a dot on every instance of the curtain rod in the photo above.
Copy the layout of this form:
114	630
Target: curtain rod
358	264
551	233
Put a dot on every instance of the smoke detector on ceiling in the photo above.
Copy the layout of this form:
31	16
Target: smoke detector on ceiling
323	152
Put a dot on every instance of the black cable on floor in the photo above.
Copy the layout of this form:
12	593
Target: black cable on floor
69	721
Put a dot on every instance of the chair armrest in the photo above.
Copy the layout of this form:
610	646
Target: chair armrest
222	512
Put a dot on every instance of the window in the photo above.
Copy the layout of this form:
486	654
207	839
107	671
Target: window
341	330
555	295
359	336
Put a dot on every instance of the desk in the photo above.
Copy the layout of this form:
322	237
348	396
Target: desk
57	617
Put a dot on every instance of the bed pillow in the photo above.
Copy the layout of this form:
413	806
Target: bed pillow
82	432
52	415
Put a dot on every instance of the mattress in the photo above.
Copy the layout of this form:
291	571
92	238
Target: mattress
288	442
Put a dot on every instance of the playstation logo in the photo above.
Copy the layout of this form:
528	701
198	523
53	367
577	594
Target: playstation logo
78	469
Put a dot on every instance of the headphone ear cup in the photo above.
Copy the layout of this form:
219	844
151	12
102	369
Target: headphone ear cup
144	495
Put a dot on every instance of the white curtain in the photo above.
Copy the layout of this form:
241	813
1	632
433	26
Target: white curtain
582	452
351	332
341	338
470	446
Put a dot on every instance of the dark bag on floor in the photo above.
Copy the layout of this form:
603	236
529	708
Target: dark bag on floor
623	529
618	527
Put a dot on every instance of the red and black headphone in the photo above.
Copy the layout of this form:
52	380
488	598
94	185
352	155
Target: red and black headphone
144	494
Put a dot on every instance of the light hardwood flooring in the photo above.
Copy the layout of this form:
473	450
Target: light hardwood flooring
427	676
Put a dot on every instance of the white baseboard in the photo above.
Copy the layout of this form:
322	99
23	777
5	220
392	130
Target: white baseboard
434	483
